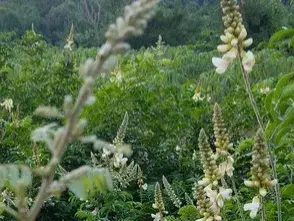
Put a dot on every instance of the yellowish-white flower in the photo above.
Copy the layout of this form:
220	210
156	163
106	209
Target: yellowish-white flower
253	207
204	182
7	104
217	198
220	64
145	186
226	167
194	156
197	97
248	61
119	160
264	90
106	152
157	216
247	43
178	148
223	63
224	194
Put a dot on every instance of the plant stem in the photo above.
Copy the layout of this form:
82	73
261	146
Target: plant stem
258	117
237	199
262	208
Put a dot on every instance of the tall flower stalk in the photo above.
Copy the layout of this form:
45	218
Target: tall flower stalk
223	156
261	175
158	204
210	195
234	47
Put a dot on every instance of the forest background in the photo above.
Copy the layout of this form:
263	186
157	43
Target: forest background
196	20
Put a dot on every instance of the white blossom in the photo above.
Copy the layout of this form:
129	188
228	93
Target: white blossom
226	167
7	104
248	61
264	90
157	216
253	207
220	64
145	186
106	152
119	160
197	97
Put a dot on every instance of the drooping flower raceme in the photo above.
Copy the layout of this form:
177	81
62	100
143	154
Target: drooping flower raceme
234	39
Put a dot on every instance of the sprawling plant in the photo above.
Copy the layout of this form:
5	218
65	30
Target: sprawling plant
83	181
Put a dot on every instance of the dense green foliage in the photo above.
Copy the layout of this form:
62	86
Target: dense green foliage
168	91
156	86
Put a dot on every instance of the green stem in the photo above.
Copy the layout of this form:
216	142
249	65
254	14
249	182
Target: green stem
262	208
237	199
258	117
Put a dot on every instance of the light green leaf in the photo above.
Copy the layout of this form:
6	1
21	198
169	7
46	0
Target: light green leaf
288	192
96	180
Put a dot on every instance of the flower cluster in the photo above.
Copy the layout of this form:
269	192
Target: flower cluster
70	39
7	104
200	97
140	178
222	143
203	204
210	196
260	170
158	205
208	160
234	39
121	133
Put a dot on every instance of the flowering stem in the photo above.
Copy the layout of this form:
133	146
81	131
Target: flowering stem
258	117
237	199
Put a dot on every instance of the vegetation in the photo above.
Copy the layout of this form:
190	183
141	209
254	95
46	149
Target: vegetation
166	132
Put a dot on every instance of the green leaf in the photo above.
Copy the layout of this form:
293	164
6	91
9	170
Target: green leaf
3	177
280	108
96	180
288	192
13	175
10	175
280	36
